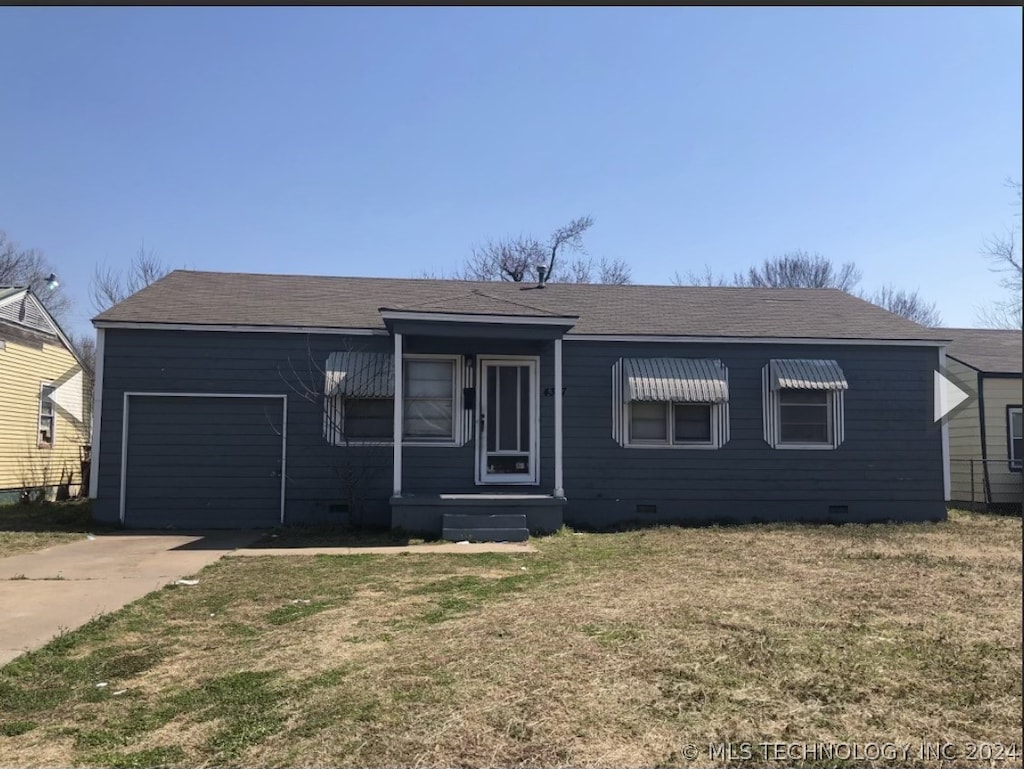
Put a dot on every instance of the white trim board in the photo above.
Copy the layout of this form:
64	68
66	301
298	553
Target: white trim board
750	340
241	328
136	394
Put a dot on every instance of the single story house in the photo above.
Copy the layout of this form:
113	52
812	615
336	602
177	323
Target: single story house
483	409
44	426
985	434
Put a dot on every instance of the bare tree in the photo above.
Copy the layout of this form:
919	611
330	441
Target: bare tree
29	267
705	278
799	269
110	286
909	304
517	259
1004	255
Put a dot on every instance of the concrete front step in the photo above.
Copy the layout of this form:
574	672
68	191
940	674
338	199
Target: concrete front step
485	535
502	527
484	520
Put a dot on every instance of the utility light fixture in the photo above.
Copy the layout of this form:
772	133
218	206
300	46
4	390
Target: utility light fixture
52	282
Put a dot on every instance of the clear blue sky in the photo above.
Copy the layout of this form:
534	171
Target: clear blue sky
384	142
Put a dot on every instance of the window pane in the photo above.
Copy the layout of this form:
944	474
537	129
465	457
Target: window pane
492	407
428	419
369	419
1015	448
692	423
524	408
647	421
428	378
428	399
45	404
507	422
1015	424
803	397
803	416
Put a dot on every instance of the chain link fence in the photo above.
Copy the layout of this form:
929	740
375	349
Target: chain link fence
986	484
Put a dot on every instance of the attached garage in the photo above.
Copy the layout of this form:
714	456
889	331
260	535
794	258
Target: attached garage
203	461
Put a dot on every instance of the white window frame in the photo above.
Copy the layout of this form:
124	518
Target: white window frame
1015	463
830	427
772	407
622	422
457	421
52	417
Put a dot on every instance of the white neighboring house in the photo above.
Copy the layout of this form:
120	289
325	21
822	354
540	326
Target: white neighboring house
985	435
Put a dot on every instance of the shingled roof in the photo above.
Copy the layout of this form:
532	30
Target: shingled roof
992	350
218	298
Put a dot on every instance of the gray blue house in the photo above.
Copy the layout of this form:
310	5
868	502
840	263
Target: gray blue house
481	409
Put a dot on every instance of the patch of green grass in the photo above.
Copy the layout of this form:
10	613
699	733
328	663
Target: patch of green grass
140	759
14	728
295	611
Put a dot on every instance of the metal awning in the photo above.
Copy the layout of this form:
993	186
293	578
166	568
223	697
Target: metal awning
360	374
802	374
692	380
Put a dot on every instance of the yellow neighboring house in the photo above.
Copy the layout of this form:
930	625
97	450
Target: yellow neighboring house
44	424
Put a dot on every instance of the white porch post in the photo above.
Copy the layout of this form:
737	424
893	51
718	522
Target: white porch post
559	489
399	381
97	416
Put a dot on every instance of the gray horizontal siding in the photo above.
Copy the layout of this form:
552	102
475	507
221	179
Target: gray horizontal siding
225	362
889	465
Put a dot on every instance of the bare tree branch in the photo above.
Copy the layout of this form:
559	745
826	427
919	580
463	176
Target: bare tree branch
568	237
705	278
29	267
109	286
1004	255
799	269
909	304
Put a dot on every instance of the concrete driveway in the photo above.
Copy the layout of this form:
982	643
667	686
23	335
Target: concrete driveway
63	587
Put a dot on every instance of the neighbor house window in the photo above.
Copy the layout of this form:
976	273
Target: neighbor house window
428	402
47	419
1014	434
803	404
670	402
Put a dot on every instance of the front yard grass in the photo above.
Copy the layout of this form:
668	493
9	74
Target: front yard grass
24	528
597	650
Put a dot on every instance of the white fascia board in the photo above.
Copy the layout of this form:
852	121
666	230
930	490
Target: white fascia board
510	320
751	340
113	324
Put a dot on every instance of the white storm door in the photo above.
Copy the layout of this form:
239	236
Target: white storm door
508	421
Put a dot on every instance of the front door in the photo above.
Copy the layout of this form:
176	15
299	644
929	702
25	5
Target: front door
508	421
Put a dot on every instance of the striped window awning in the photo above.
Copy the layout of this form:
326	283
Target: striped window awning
688	380
360	374
803	374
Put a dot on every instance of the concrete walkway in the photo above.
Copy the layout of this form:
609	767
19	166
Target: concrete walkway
63	587
445	547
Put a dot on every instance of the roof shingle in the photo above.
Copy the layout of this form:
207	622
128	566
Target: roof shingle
992	350
216	298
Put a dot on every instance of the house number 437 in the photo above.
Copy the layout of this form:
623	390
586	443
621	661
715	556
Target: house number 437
550	391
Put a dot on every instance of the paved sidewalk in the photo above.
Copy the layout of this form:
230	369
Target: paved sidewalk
446	547
63	587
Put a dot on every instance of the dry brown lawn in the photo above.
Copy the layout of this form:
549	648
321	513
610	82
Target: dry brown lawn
25	528
598	650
